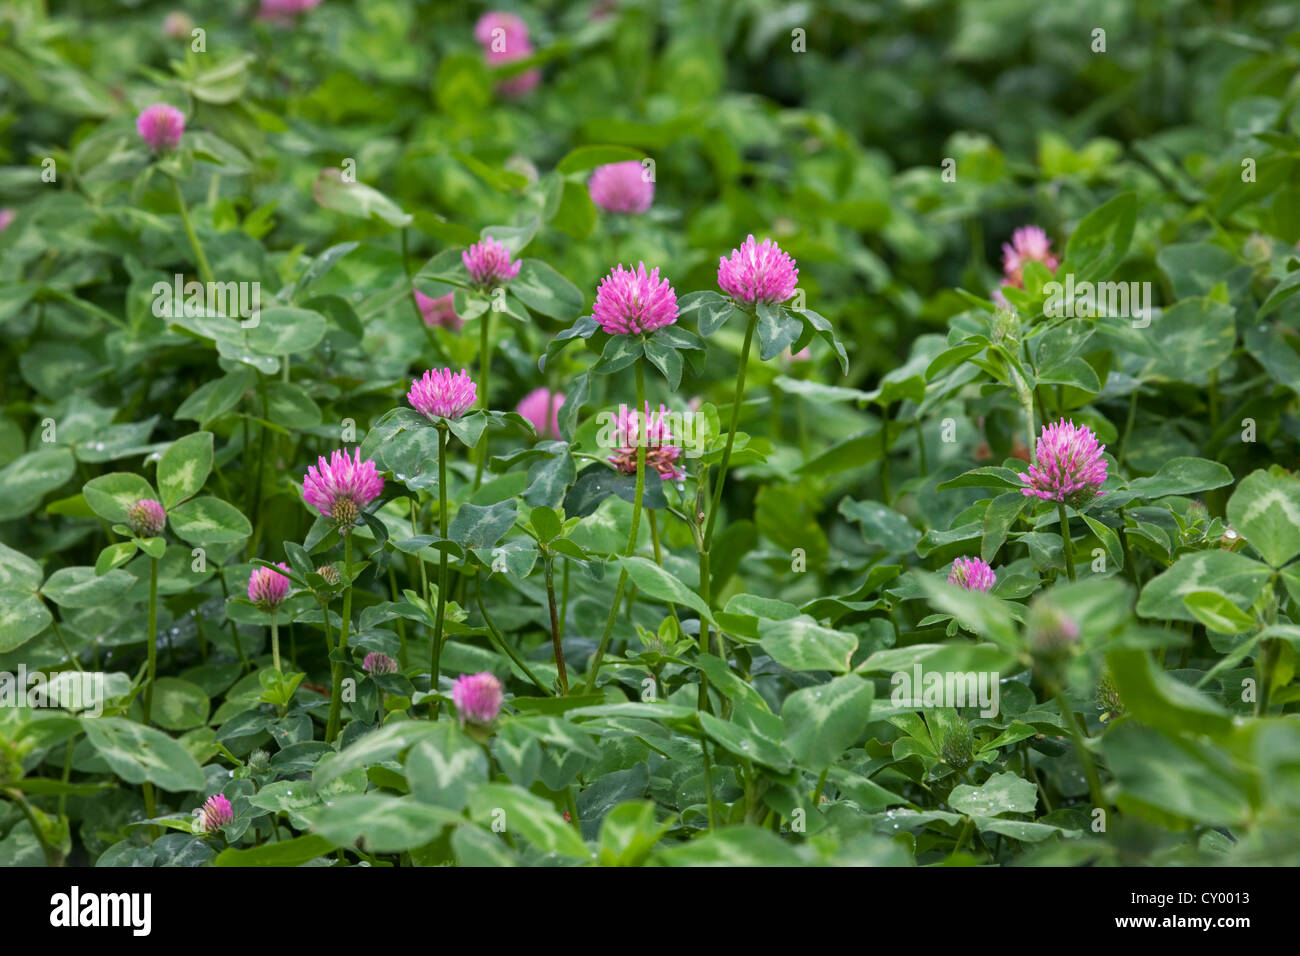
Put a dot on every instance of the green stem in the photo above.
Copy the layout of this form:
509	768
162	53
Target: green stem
58	633
821	785
1065	539
965	832
555	624
419	556
67	775
205	270
147	703
1026	398
336	694
329	638
152	641
706	541
573	808
708	783
484	368
564	599
1032	774
436	651
1268	662
1128	424
275	643
920	448
1085	758
706	595
51	853
736	402
631	538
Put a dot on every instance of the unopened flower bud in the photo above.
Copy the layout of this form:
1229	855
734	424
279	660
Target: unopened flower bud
1257	249
1051	635
958	744
478	698
1108	696
1006	324
1050	629
176	25
146	518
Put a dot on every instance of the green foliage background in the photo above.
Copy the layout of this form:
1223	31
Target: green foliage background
1169	157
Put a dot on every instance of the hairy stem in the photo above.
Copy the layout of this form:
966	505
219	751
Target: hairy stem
439	617
200	258
1085	757
736	402
336	694
555	624
631	538
484	368
1065	539
152	642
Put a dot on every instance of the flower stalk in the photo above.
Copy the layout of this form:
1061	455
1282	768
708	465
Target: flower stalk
1065	539
555	623
440	614
336	692
638	495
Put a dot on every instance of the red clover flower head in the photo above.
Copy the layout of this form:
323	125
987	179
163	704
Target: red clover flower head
161	127
489	264
216	813
1028	244
1068	465
758	272
621	187
973	574
268	588
542	407
440	394
628	303
341	487
478	698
